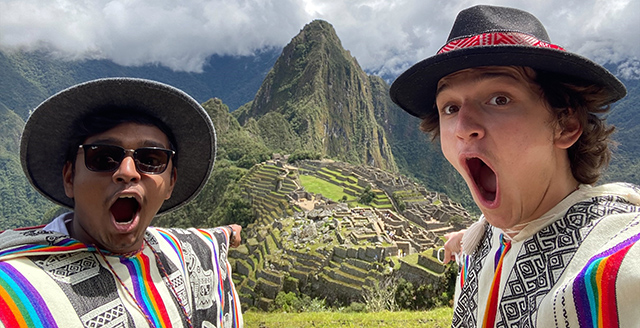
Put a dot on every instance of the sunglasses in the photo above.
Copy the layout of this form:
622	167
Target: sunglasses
107	158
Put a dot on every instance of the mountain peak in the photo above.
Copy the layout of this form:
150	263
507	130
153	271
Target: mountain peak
326	98
318	30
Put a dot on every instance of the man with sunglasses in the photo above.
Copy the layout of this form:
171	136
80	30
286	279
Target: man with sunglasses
118	152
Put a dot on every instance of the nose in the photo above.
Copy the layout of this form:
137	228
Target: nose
470	122
127	171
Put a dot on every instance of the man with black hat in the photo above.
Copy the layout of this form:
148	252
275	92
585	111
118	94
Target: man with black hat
519	118
109	149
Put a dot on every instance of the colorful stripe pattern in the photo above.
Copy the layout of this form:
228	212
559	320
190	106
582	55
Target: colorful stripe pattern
22	306
234	307
145	291
175	245
464	270
20	303
220	283
492	304
594	289
497	38
66	245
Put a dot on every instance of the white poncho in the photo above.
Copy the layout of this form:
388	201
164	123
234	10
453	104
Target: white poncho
576	266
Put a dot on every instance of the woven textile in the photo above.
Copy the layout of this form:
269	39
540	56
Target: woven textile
581	268
48	279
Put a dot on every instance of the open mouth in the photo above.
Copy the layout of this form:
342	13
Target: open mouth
484	178
124	210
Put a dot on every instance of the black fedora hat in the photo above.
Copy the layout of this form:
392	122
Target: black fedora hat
48	132
494	36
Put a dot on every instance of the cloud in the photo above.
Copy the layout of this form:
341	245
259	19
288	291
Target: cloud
177	34
386	36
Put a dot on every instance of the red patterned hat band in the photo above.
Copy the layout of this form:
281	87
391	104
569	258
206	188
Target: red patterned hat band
497	38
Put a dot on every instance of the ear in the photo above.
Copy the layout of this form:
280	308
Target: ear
67	178
568	131
172	182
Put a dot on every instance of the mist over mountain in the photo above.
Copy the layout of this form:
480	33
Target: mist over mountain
311	98
28	78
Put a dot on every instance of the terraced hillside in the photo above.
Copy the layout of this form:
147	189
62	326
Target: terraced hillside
333	230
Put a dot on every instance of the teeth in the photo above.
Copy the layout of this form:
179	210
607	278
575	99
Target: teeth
126	197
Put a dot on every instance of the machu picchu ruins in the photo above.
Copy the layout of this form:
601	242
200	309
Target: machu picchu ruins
337	248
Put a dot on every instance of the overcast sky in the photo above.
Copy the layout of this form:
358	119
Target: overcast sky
386	36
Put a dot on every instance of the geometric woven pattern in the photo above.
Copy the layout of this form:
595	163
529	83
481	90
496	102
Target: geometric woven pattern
465	314
539	264
71	268
101	292
496	38
111	315
544	256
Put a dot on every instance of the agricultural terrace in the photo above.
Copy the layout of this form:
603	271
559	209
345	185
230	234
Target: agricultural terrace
336	186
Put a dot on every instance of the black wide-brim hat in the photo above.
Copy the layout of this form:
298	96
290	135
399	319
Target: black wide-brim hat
49	129
495	36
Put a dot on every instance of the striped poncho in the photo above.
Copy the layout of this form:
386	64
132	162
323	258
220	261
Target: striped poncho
577	266
181	278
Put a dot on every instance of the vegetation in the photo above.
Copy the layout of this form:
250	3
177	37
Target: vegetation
314	94
367	196
20	204
315	102
319	186
436	318
315	107
389	294
301	154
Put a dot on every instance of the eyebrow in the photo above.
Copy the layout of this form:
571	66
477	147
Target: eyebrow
481	77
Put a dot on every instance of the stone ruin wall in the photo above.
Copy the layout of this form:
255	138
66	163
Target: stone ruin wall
285	256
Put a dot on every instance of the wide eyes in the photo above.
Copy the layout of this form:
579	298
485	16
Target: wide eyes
499	100
450	109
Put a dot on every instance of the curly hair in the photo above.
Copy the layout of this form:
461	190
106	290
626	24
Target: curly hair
566	96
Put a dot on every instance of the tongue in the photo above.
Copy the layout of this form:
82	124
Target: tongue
487	179
124	209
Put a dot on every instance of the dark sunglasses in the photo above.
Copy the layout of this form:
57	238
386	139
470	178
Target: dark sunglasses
107	158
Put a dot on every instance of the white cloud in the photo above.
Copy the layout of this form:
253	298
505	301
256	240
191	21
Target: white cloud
178	34
384	35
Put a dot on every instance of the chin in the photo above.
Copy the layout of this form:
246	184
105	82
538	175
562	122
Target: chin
498	221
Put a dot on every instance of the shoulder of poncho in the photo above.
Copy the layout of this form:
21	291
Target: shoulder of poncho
27	236
190	235
177	232
627	191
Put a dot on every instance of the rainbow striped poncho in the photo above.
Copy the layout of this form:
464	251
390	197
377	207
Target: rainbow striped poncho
578	268
49	280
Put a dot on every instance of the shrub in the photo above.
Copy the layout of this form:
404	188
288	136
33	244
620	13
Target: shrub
367	196
427	296
299	155
356	307
290	302
286	302
381	296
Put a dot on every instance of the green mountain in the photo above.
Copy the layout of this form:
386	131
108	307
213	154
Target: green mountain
625	163
416	155
20	204
28	78
318	98
311	99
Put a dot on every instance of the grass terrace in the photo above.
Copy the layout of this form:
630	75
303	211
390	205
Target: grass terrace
327	189
436	318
